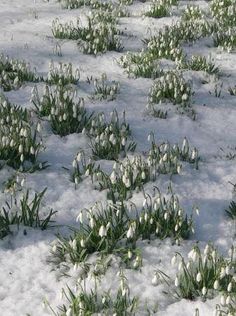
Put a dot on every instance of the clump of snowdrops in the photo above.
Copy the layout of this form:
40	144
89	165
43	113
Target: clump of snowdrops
116	227
105	90
82	301
65	112
62	75
132	173
206	274
20	141
110	140
98	36
13	73
173	88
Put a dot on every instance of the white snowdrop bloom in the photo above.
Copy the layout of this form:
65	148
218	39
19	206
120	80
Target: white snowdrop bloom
184	97
165	157
128	183
79	218
228	300
32	150
173	260
227	270
143	175
145	203
38	128
130	232
204	291
76	180
178	169
155	280
102	231
213	254
113	177
176	282
222	273
145	217
21	157
82	243
22	182
199	277
108	225
123	141
12	143
74	244
166	215
197	211
54	248
222	300
185	144
74	163
79	156
216	285
129	255
180	266
229	287
192	254
91	222
20	149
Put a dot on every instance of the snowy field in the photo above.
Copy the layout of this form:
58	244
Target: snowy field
179	135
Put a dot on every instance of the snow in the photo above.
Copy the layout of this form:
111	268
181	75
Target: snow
27	277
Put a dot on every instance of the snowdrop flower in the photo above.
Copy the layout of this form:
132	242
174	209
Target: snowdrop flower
229	287
82	243
129	254
222	273
222	300
74	244
54	248
180	266
174	260
204	291
155	280
206	250
20	149
228	300
102	231
74	164
216	285
80	218
79	156
178	169
145	203
92	222
176	282
113	177
199	277
192	255
38	128
227	270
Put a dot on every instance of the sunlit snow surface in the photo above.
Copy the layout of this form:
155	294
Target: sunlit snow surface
26	276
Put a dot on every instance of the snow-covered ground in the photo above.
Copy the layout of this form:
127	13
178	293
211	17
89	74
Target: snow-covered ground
27	277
